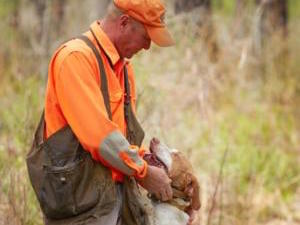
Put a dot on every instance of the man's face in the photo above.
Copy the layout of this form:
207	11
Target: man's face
133	37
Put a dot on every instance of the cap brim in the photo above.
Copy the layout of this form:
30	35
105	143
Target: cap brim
160	36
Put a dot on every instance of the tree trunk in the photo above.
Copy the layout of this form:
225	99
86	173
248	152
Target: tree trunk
188	5
206	26
58	9
15	13
40	39
272	28
239	22
274	17
40	7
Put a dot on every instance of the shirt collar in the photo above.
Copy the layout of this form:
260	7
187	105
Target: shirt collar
105	42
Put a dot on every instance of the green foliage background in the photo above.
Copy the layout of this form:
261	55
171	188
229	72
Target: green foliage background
248	112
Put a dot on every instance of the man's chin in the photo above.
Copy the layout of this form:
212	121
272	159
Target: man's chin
129	56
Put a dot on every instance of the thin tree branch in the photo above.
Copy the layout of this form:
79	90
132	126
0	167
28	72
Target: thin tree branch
220	176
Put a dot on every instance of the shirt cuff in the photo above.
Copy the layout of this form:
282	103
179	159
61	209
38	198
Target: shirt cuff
119	154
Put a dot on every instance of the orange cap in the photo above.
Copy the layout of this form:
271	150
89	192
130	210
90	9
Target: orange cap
151	14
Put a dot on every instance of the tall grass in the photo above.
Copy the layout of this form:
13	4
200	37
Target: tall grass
245	104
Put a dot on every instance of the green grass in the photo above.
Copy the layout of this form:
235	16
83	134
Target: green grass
21	103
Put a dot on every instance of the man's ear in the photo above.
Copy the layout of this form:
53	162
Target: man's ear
124	21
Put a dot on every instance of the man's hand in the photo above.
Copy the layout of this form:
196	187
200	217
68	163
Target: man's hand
158	183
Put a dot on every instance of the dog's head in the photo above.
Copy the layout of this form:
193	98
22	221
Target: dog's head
184	183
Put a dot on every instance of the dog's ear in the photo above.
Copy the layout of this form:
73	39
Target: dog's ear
192	190
196	203
154	143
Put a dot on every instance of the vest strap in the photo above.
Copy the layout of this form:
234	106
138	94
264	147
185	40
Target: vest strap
127	95
104	88
134	131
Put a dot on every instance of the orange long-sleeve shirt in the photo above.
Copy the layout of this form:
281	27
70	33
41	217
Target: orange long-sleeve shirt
73	97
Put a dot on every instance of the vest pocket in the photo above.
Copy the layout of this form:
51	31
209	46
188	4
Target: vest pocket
66	185
69	190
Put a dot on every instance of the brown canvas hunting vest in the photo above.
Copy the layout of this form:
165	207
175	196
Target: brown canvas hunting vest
71	187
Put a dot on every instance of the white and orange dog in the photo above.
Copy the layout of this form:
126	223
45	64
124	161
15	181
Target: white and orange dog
186	191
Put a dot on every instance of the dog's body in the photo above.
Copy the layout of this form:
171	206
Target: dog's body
167	214
184	184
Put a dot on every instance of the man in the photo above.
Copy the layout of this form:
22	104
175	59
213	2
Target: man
100	118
